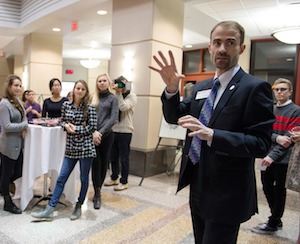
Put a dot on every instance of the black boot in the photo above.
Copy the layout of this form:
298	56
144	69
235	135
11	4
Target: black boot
10	206
97	199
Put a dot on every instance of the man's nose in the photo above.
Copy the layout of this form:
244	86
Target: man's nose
222	47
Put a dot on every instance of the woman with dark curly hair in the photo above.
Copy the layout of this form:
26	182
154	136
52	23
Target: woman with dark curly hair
13	130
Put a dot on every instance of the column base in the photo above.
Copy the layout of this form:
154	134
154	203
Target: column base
159	163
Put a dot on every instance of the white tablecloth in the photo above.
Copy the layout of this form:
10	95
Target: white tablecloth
44	151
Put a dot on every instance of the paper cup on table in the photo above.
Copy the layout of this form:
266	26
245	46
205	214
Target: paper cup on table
259	165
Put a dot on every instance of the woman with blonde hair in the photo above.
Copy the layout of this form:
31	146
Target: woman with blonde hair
13	130
106	104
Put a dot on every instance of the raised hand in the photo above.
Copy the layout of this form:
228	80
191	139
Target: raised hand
168	72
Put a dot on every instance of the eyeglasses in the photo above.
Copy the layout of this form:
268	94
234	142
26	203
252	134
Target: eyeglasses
280	89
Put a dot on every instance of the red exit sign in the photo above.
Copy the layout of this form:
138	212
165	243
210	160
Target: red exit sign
69	71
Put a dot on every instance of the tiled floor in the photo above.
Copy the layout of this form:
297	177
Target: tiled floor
150	213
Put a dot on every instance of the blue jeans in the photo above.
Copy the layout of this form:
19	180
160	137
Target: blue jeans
66	169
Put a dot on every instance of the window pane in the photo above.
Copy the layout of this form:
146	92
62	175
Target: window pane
191	62
274	55
271	60
207	65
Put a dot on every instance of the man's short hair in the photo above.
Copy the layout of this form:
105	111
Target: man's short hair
233	24
284	81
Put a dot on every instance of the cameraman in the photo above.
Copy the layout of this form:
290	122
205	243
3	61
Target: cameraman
122	134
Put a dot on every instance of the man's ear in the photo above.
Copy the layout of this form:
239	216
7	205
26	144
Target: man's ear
242	48
209	48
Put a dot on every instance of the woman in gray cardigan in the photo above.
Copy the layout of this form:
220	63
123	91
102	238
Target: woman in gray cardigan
13	129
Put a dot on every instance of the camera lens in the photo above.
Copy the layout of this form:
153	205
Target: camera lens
121	85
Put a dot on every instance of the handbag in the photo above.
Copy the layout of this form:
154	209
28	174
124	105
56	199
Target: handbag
293	171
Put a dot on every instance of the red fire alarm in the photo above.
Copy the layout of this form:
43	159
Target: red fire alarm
69	71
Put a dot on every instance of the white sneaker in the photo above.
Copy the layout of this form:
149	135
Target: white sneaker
111	182
121	187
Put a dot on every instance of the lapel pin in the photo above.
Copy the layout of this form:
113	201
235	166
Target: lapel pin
232	87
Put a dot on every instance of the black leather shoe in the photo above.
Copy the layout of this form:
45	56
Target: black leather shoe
279	226
12	208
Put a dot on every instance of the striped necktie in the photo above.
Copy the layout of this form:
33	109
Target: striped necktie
205	115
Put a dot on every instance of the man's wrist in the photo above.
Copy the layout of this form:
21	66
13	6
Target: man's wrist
172	89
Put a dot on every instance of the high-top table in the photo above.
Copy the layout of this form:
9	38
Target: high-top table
44	151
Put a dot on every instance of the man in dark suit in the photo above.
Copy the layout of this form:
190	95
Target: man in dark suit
222	181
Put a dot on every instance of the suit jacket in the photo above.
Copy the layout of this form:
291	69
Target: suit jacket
12	124
223	182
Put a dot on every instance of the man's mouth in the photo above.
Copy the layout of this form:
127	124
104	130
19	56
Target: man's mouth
222	58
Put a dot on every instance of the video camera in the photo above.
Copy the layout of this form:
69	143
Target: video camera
121	84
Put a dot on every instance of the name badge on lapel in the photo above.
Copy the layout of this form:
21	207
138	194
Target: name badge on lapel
202	94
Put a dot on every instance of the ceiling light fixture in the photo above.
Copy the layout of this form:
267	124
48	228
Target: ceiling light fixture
56	29
90	63
102	12
289	35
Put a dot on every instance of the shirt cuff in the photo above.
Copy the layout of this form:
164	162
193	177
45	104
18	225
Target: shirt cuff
169	95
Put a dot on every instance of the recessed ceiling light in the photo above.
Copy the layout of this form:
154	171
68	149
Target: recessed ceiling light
102	12
94	44
188	46
56	29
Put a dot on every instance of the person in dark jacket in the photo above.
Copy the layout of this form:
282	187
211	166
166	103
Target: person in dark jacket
229	121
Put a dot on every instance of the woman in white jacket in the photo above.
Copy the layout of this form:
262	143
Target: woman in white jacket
122	135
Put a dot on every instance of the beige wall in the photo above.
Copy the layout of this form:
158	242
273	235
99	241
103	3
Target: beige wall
244	60
4	71
94	73
42	61
19	67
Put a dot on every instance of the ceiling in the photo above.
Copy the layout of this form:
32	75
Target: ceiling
259	18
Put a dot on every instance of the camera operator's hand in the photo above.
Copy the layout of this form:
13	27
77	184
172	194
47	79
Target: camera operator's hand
116	88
